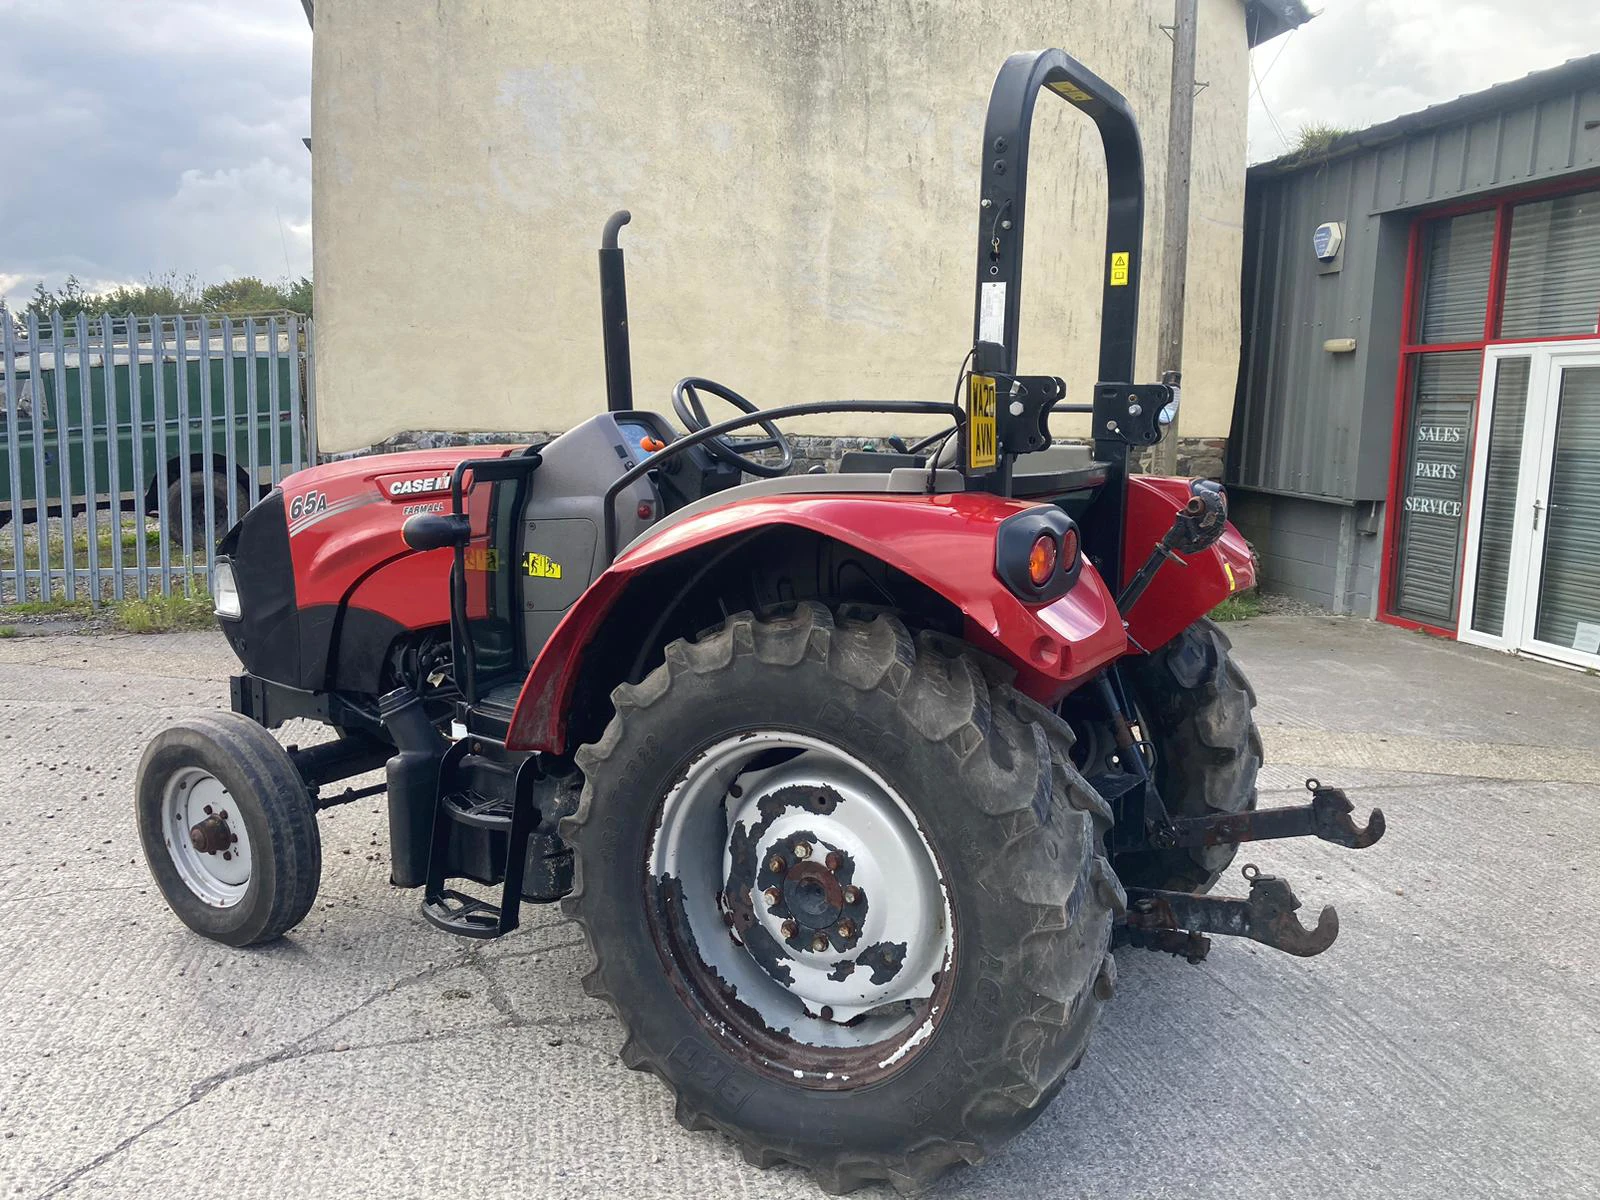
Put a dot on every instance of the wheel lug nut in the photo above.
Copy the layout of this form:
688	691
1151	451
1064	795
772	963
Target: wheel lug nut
789	929
776	865
851	895
772	895
802	850
833	861
846	930
819	943
827	1013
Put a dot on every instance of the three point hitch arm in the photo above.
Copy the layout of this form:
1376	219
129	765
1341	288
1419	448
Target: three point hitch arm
1178	922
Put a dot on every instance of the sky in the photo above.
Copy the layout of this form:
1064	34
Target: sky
144	137
147	137
1359	62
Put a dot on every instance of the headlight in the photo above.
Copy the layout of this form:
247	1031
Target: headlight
224	591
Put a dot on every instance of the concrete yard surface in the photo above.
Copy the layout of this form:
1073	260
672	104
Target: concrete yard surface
1448	1045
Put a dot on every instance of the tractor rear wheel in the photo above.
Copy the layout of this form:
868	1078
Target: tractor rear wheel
229	829
845	892
1194	708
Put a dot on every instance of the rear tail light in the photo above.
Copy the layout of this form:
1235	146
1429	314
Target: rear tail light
1037	554
1042	559
1069	549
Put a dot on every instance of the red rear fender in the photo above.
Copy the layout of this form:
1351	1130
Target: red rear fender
1178	595
944	542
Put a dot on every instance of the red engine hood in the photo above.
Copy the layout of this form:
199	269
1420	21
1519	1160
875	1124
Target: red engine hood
344	525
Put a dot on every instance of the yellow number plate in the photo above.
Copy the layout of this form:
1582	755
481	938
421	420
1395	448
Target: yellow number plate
982	434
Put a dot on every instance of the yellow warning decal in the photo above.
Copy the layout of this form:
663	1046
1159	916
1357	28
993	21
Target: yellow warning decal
541	566
1233	584
481	559
1119	268
1072	92
982	434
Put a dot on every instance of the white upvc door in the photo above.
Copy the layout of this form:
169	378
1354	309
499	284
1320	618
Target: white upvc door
1561	598
1532	555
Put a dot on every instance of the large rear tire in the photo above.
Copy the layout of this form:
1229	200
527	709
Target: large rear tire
1194	706
845	892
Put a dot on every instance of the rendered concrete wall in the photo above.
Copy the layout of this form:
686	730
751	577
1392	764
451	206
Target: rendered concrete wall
803	177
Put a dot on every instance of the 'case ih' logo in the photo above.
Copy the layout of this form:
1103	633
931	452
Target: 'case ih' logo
413	487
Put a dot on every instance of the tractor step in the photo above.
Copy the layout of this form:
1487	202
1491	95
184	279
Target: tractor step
464	915
480	812
481	831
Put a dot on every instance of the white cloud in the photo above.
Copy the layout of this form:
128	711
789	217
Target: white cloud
151	138
1361	62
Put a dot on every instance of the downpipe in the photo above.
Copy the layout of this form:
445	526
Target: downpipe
413	780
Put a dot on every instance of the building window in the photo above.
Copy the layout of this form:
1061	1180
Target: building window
1433	493
1457	254
1553	268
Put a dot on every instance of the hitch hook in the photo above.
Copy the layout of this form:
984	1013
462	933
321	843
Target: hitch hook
1330	818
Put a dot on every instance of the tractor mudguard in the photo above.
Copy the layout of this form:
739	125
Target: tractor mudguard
1183	591
946	542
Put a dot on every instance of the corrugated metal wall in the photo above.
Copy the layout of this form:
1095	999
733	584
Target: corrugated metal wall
1311	423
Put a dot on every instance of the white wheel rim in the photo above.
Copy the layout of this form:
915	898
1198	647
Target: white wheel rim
206	837
872	930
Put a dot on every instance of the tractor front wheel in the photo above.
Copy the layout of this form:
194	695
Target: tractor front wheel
229	829
845	891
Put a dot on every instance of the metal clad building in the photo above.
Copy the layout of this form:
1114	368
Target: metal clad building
1419	300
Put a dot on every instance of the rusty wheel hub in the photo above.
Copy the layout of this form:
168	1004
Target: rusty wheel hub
805	899
205	837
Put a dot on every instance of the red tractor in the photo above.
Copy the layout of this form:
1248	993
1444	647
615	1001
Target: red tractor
852	779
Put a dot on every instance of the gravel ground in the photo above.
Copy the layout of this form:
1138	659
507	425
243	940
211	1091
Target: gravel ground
1447	1045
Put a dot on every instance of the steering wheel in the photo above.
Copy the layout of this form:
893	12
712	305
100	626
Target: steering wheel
734	451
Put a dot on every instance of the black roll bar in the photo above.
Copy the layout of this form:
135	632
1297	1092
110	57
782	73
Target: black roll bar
1123	415
646	465
1003	202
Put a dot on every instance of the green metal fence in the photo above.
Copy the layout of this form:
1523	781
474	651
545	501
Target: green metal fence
131	445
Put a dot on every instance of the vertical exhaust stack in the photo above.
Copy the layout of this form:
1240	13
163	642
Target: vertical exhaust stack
614	316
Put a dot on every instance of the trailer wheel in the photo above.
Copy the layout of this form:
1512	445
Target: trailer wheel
197	483
228	828
1195	710
844	891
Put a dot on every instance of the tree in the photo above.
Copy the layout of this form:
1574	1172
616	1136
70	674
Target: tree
170	294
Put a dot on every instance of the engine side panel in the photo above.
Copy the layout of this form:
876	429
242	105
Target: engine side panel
945	542
1178	595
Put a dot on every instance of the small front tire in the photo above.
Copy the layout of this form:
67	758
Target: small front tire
228	829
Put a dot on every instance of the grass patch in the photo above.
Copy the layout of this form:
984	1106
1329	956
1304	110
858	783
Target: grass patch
164	614
8	631
1239	607
56	606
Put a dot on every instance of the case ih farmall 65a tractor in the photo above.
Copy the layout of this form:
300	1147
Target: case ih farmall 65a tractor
852	780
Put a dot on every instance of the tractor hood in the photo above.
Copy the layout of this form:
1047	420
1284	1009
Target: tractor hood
325	581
